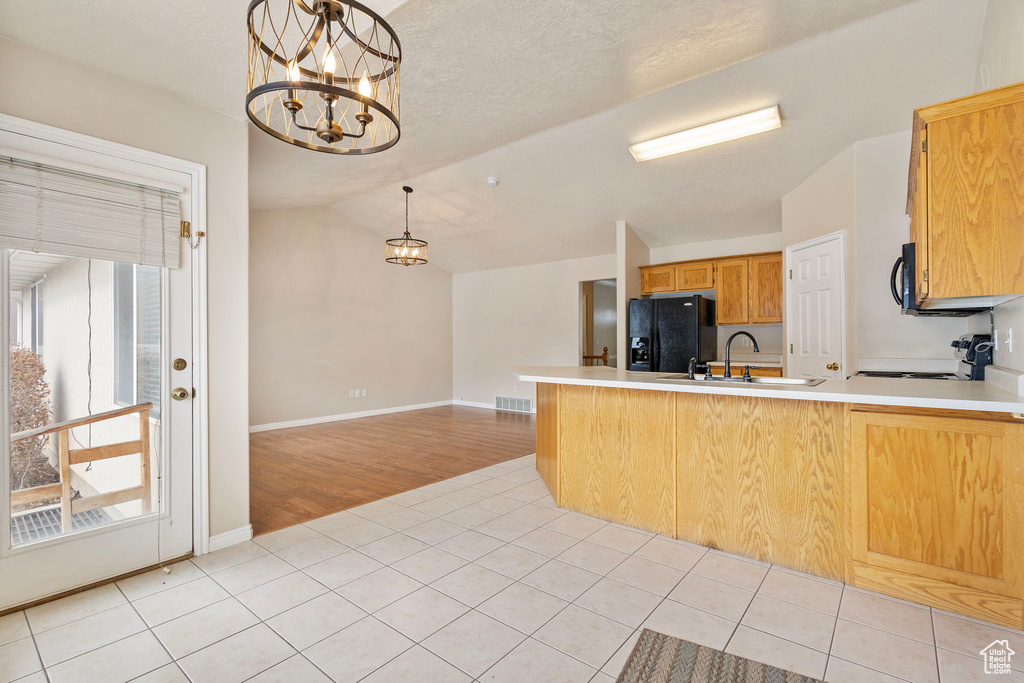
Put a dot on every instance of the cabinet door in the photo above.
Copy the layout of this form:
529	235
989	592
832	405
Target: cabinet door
766	289
976	203
919	222
935	504
732	288
658	279
695	277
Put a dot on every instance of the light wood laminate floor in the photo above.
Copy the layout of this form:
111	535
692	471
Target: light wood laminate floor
302	473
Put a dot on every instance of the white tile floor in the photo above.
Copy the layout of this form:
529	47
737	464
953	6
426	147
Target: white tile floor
478	577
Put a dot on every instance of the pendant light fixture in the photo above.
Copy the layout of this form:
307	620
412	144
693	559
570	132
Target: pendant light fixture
405	250
323	75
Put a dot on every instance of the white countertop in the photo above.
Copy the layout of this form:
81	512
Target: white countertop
917	393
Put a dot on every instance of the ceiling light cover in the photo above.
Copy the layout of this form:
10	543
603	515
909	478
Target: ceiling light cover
323	75
709	134
405	250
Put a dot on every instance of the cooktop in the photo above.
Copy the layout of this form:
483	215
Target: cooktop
908	374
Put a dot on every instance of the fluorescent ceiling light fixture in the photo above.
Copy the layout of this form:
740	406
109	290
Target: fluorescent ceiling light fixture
709	134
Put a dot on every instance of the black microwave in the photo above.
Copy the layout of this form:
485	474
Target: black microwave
904	291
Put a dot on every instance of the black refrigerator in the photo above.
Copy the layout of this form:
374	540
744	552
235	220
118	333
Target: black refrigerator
664	334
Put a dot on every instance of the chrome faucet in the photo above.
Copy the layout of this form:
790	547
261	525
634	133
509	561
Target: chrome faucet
728	346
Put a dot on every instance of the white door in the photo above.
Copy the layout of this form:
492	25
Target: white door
815	307
101	483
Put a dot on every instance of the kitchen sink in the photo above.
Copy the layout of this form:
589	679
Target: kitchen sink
795	381
785	381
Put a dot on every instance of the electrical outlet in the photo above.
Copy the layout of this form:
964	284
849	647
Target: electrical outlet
515	388
364	392
351	393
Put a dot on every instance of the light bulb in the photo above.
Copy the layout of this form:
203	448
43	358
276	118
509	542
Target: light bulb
329	63
414	252
365	89
405	251
293	72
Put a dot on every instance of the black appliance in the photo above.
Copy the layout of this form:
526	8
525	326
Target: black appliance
904	291
974	351
664	334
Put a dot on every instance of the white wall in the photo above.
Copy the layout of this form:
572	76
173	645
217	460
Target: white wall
631	252
527	315
1001	62
754	244
863	190
93	102
327	314
882	228
606	321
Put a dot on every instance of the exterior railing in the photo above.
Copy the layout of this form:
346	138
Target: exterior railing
68	457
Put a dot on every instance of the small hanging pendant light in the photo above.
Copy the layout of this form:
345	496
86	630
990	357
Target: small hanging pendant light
405	250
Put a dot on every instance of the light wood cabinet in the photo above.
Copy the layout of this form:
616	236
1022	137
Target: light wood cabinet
658	279
732	304
599	474
935	503
695	277
966	198
766	289
737	370
748	288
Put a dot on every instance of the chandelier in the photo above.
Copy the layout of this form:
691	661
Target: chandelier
323	75
405	250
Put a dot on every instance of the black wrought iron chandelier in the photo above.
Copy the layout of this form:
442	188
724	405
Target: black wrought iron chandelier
406	250
323	75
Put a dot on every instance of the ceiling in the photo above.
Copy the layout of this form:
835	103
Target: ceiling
547	95
562	189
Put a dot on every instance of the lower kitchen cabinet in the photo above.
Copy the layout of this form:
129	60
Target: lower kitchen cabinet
935	510
617	455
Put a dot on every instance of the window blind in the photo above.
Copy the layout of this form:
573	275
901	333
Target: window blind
58	211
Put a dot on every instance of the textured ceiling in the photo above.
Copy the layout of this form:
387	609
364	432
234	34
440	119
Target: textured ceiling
562	189
547	94
481	73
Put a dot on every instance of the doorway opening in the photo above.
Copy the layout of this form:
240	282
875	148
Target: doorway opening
598	319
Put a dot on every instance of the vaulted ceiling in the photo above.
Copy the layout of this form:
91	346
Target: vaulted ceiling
547	96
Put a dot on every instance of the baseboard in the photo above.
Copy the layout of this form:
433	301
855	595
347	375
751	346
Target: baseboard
344	416
473	404
228	538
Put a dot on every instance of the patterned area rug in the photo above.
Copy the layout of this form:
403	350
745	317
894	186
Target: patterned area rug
658	658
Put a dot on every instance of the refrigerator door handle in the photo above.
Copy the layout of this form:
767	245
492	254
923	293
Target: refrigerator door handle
655	351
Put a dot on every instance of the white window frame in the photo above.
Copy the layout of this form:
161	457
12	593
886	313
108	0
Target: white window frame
87	145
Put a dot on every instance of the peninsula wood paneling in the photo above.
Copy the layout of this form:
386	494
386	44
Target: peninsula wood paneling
763	478
935	503
617	455
547	436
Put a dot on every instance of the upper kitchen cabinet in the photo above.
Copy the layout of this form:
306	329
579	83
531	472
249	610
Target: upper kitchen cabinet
766	289
657	279
748	287
697	276
733	296
966	196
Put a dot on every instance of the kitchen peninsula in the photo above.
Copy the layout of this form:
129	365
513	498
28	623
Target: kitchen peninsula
909	488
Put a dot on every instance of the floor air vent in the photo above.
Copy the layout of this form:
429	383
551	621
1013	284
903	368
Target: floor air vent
516	405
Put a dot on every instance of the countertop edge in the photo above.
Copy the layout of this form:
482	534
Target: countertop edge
819	393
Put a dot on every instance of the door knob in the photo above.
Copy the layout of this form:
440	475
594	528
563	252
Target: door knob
179	394
832	366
